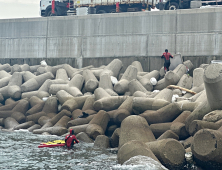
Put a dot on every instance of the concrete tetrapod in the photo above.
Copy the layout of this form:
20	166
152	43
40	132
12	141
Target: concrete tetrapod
76	113
15	68
25	125
213	81
13	89
35	117
9	106
25	67
187	142
51	105
62	96
114	140
134	148
47	84
109	103
198	77
145	80
110	129
82	136
213	116
77	121
4	74
74	103
135	85
168	134
102	141
180	129
166	114
10	123
113	68
88	104
22	106
171	77
123	111
77	81
57	117
35	109
1	121
69	69
43	120
52	130
165	94
5	67
185	81
35	126
97	126
36	82
207	148
91	82
169	152
35	100
196	125
54	88
198	114
27	75
19	117
97	72
100	93
93	130
141	104
63	122
16	80
78	129
159	128
61	74
101	118
122	86
138	65
105	82
182	117
4	81
5	114
135	127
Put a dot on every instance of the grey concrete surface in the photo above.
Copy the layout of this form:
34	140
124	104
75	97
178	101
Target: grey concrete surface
98	39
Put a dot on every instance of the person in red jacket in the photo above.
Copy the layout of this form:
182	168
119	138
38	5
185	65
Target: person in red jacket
166	57
71	139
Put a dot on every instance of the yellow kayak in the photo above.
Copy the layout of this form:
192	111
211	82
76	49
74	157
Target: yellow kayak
54	143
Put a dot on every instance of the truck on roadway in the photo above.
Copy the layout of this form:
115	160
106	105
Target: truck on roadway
69	7
184	4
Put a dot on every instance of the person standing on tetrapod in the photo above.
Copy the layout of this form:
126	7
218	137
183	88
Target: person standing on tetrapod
166	57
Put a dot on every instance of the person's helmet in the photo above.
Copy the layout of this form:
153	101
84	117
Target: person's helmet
71	131
166	50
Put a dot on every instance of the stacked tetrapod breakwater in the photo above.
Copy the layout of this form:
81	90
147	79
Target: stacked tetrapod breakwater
153	114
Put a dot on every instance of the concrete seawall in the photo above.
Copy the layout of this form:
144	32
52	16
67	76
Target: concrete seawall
98	39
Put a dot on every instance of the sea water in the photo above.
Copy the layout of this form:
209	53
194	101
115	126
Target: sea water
19	151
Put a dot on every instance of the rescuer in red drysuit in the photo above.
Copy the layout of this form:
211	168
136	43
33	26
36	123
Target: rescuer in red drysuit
71	139
166	57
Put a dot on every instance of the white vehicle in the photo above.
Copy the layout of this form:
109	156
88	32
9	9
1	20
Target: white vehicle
185	4
65	7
